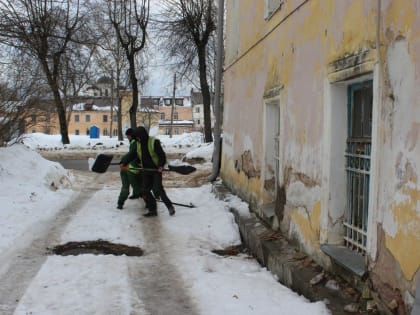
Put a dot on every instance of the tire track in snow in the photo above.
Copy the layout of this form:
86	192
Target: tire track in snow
156	281
22	264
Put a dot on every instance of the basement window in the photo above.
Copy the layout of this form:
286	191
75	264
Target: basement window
271	7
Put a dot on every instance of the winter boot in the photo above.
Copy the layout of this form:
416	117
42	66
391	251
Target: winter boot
171	210
151	214
120	206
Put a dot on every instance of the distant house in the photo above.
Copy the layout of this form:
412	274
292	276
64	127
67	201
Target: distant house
198	111
181	121
97	108
95	111
321	132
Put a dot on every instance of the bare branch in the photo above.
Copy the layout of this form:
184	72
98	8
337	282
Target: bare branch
186	32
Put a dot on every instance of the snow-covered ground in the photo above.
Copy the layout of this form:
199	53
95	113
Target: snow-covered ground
81	144
41	200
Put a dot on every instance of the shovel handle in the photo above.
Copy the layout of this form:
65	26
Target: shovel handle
180	204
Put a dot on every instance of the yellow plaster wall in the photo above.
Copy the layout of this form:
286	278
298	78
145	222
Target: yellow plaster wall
405	245
245	187
296	55
308	224
284	58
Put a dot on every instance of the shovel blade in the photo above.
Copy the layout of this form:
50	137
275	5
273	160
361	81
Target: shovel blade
182	169
102	163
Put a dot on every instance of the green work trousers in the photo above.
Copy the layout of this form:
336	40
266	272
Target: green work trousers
129	179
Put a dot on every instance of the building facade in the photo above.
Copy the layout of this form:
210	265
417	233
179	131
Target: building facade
198	111
321	130
94	112
181	121
88	112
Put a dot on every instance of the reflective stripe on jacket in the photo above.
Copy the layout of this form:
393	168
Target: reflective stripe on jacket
132	165
151	148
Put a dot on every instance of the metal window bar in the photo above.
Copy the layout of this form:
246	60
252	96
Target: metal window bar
277	155
358	177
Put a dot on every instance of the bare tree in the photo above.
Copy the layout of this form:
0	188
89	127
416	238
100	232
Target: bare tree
110	60
186	29
43	29
12	117
20	99
75	73
130	19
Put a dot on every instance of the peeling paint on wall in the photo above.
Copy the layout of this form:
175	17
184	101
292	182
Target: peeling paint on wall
405	244
246	165
293	176
386	272
300	49
305	226
247	188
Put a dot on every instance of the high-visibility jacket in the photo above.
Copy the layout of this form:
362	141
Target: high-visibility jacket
151	148
132	165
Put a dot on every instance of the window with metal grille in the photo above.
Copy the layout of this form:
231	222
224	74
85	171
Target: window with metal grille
357	154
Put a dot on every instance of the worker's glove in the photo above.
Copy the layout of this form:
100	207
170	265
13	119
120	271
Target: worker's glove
123	167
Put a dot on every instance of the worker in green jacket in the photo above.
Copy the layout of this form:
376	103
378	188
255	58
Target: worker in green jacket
152	157
130	176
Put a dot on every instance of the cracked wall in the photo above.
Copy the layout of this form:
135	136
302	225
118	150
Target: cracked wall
299	49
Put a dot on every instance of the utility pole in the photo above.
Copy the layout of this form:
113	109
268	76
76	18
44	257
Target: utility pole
112	103
173	106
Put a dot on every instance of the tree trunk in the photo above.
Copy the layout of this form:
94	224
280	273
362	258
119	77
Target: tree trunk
59	105
119	109
134	86
205	91
61	111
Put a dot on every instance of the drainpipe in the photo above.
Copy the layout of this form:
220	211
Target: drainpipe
378	40
380	90
217	88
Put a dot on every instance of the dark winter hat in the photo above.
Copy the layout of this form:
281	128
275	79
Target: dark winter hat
129	132
141	133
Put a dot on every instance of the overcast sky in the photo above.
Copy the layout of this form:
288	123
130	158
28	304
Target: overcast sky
161	78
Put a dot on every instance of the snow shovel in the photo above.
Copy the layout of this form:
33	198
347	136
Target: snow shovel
103	161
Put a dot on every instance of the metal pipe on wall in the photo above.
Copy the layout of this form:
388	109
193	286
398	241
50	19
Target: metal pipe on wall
218	84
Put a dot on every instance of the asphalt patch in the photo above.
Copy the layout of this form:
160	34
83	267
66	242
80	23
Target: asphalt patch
98	247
